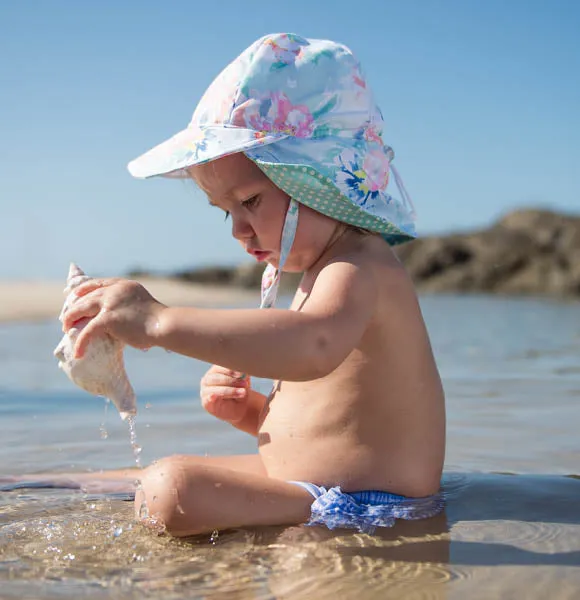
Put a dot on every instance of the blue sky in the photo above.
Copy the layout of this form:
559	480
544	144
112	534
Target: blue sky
481	101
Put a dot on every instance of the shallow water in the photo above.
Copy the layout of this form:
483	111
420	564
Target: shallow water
511	527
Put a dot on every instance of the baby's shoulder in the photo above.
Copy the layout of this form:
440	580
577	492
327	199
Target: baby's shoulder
372	258
387	279
364	272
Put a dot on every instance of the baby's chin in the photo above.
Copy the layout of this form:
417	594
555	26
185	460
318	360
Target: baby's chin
289	267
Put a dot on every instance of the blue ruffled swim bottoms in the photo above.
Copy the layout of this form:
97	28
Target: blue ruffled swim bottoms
367	510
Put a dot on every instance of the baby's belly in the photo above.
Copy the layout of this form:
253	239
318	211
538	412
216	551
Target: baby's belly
324	462
296	446
328	443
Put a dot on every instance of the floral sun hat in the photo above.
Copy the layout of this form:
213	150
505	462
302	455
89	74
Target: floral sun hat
301	110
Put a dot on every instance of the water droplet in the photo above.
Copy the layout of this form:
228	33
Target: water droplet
133	438
143	511
103	426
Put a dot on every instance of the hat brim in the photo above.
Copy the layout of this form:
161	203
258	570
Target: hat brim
195	146
309	187
296	169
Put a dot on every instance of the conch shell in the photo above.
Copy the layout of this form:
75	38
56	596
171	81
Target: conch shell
101	371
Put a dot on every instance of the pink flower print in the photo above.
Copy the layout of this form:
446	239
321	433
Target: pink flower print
285	49
362	182
274	114
376	167
287	118
372	135
358	78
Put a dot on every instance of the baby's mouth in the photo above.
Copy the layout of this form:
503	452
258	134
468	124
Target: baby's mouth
260	255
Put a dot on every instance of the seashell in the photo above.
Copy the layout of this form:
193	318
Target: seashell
101	371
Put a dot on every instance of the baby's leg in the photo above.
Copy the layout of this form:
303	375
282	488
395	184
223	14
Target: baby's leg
190	497
122	480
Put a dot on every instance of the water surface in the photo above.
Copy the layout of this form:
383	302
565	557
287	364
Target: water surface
511	372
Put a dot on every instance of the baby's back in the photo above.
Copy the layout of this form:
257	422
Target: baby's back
378	420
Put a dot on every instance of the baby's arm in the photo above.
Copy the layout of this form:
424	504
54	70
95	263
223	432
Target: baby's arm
278	344
251	420
273	344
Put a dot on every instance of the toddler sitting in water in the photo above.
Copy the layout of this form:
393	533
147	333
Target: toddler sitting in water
287	141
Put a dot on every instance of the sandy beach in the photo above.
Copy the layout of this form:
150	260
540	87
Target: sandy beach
39	300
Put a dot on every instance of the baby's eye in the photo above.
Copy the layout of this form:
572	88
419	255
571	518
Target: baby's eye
250	201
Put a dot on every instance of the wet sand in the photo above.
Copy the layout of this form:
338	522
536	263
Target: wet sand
501	536
38	300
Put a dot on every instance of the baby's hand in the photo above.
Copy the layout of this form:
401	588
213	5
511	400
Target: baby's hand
224	393
120	308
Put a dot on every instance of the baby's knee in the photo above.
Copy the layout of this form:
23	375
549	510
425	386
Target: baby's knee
164	485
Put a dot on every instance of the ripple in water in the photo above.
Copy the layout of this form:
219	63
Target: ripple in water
533	536
454	484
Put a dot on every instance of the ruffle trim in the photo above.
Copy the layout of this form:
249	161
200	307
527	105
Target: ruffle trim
366	511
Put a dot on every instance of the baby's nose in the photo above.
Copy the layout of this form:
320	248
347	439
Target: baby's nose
241	229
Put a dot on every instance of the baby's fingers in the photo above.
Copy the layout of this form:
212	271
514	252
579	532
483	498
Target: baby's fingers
220	392
94	284
94	328
87	308
213	379
225	403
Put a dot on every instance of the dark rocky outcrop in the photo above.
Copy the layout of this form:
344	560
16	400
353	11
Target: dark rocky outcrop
247	276
525	252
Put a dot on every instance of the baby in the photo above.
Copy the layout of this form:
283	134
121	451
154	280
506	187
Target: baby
287	141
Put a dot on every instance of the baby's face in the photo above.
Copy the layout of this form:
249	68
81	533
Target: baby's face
257	209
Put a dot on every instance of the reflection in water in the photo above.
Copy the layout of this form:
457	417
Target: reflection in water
525	526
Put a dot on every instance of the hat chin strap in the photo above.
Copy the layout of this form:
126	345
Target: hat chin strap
271	276
403	191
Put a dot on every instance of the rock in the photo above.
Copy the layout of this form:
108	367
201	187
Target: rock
213	275
525	252
248	275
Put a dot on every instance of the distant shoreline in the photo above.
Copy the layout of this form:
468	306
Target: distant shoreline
527	252
42	300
